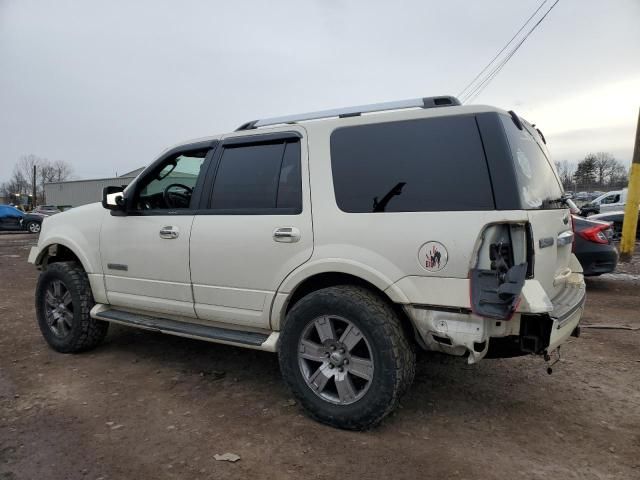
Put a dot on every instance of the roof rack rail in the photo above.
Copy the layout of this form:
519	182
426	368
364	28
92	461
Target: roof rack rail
426	102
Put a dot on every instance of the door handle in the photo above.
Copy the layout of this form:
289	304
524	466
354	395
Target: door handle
286	234
169	232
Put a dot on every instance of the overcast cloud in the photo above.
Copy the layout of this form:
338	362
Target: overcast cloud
107	85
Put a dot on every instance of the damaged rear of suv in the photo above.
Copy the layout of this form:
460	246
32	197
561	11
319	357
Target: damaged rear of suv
340	240
477	200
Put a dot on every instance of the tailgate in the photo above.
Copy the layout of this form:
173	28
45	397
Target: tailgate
552	242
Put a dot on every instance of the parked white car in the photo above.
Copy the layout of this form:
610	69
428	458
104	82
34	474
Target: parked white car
341	240
611	201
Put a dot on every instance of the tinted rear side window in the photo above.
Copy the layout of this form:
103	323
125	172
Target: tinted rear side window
538	184
434	164
258	177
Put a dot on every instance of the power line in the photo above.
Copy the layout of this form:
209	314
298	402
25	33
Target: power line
497	69
503	49
488	78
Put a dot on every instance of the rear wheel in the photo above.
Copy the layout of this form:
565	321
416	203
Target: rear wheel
63	303
345	357
33	227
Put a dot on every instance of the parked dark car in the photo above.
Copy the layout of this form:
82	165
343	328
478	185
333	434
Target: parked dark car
616	218
589	209
32	222
13	219
593	246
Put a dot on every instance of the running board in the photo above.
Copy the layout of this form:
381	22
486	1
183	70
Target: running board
257	340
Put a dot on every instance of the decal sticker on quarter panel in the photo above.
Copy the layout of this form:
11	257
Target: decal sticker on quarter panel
433	256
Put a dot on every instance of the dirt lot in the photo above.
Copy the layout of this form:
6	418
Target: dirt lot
145	405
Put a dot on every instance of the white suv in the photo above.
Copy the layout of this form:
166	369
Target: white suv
341	240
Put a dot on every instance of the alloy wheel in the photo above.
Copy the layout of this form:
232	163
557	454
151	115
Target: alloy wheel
58	308
335	359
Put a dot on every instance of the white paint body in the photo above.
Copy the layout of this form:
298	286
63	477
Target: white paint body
228	270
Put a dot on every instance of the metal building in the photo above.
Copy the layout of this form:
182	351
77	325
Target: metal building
73	193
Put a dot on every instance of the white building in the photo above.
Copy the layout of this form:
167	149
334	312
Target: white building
73	193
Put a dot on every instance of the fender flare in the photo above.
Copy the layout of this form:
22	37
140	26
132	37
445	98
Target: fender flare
70	245
308	270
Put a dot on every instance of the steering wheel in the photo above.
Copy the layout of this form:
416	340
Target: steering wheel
177	199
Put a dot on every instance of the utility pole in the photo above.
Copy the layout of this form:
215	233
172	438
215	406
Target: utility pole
630	223
33	186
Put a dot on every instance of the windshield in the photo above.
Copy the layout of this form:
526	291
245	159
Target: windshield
538	183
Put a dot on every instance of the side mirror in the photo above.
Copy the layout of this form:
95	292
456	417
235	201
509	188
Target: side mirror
112	198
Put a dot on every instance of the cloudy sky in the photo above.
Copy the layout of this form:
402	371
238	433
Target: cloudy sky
107	85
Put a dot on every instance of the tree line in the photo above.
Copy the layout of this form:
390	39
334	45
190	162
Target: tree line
597	171
21	181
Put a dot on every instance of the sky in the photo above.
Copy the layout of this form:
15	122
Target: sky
106	86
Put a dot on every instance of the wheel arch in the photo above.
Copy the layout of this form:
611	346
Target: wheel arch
378	285
60	252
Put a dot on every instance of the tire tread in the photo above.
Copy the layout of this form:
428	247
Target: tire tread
380	317
92	332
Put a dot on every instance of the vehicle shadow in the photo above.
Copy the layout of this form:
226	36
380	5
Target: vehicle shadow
443	386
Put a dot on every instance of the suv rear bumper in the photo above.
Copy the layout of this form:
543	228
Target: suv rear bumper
567	312
539	325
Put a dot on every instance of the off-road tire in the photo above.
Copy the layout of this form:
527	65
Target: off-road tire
393	355
86	332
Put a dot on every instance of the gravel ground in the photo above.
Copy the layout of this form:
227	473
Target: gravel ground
145	405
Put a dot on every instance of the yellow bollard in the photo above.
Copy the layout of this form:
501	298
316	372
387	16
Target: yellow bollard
630	223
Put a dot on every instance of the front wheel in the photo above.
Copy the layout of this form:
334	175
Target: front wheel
63	303
345	357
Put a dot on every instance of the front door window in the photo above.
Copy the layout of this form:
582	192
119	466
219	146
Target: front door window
172	186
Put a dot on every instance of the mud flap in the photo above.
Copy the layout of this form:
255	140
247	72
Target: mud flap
496	295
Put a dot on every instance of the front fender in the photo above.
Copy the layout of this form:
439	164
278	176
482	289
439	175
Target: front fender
79	231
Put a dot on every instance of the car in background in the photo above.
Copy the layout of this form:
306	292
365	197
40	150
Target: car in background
616	219
47	210
581	196
589	209
593	245
608	202
13	219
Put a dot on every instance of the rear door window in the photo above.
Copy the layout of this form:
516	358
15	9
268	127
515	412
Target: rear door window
424	165
538	184
263	178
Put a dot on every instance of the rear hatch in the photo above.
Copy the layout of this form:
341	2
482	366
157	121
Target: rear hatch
541	194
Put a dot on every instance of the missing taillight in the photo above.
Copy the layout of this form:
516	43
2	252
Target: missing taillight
500	270
501	258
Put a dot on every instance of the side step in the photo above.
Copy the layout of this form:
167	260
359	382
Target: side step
262	341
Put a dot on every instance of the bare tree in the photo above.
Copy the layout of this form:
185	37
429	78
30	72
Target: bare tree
565	172
62	171
618	176
604	165
21	181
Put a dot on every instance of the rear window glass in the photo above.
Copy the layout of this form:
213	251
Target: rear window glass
538	184
434	164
